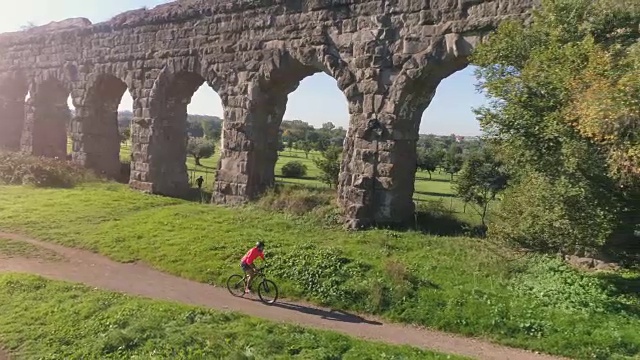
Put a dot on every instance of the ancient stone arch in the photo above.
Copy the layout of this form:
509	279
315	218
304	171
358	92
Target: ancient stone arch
170	97
96	139
388	57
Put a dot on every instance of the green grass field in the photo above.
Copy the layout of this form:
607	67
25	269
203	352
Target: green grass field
43	319
455	284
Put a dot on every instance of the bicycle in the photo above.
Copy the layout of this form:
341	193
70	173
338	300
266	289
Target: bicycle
267	289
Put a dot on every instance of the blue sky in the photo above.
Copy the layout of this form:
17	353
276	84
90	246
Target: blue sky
450	112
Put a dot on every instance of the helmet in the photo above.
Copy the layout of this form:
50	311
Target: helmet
260	245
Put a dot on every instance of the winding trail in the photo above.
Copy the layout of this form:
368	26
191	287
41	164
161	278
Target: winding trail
138	279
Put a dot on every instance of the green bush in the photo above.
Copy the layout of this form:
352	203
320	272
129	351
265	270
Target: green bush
297	200
20	169
294	169
320	273
552	216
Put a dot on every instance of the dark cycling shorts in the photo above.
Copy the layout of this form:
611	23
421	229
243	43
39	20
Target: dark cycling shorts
246	267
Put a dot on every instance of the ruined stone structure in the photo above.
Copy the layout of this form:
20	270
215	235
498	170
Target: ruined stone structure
388	57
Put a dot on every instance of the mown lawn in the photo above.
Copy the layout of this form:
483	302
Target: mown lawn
43	319
456	284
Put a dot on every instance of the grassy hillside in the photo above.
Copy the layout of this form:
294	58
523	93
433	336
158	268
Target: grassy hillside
454	284
40	320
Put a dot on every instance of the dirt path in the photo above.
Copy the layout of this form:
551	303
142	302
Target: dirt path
137	279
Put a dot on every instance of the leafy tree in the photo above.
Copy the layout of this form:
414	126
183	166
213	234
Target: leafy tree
125	135
306	146
481	178
329	165
290	145
194	129
544	116
606	110
211	129
200	148
552	215
429	160
453	160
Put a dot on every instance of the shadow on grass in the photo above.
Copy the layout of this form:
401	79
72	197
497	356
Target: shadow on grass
628	287
334	315
445	224
312	178
421	178
202	196
438	194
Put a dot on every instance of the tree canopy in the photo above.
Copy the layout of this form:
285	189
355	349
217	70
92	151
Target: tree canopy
564	113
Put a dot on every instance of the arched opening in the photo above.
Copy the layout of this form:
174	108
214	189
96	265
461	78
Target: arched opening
448	130
100	132
205	116
47	116
170	137
252	134
316	118
13	92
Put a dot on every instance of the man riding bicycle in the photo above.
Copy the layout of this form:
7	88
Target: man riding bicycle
247	263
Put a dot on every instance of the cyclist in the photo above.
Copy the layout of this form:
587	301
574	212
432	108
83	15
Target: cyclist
247	263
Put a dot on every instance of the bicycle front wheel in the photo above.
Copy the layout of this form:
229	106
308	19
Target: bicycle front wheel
268	292
235	285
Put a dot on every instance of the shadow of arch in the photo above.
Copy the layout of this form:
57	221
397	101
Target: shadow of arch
47	116
96	137
13	91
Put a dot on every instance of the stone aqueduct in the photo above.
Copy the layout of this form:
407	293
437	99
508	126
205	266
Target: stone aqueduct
388	57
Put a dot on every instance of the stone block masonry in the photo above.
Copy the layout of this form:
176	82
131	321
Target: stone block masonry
388	57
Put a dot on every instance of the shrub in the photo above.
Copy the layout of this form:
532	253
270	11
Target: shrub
20	169
297	200
324	274
294	169
548	215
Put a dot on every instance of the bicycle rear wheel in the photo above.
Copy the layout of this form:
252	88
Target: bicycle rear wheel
235	285
268	292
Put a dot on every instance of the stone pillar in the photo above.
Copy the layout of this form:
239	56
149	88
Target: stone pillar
96	139
158	152
378	168
250	145
159	137
46	120
379	162
11	119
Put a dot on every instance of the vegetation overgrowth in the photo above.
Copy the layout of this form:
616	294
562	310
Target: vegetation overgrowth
21	169
41	320
455	284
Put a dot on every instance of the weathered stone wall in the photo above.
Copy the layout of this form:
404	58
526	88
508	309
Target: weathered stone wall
388	57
